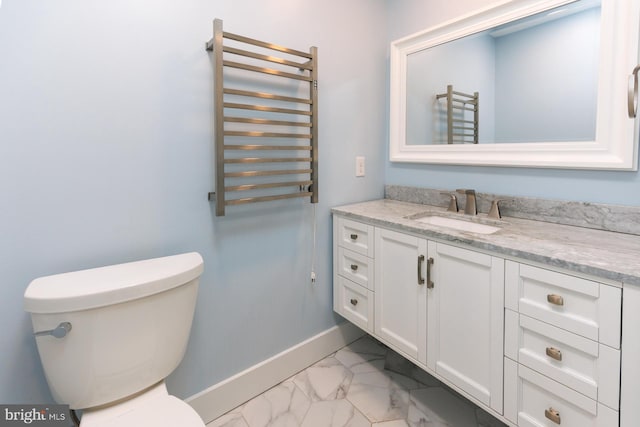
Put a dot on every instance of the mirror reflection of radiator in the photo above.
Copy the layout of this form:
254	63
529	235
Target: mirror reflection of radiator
462	126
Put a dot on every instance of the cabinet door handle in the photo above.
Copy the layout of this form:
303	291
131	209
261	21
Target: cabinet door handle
354	267
430	283
354	237
420	278
555	299
354	301
553	415
554	353
632	96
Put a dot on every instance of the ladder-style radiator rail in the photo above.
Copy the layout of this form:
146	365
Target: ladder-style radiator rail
234	58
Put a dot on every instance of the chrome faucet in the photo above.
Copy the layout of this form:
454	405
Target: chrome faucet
470	202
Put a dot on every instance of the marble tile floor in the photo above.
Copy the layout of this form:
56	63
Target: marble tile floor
365	384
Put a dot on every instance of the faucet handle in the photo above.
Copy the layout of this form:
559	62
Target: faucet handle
494	211
470	207
453	202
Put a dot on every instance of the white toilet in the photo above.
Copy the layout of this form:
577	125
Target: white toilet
108	337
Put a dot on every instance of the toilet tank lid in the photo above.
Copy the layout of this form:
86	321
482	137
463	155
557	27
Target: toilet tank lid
97	287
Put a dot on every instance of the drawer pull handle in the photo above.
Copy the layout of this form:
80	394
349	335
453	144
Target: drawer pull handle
354	301
554	353
553	415
420	278
354	237
555	299
354	267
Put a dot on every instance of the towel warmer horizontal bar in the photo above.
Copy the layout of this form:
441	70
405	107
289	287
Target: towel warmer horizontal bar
266	121
463	108
266	108
464	101
267	173
455	92
266	198
245	187
267	134
267	147
268	160
265	95
265	70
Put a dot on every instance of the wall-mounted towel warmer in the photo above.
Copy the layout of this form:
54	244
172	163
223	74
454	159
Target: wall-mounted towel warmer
285	103
461	126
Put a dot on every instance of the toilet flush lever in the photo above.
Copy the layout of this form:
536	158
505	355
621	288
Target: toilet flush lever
60	331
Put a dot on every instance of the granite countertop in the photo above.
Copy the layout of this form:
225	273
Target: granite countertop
607	255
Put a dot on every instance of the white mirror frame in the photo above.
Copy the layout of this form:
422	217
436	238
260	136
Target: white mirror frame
616	141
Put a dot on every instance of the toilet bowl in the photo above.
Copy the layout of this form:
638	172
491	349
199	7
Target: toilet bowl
154	407
108	337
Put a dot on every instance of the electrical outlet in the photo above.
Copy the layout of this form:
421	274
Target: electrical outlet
359	166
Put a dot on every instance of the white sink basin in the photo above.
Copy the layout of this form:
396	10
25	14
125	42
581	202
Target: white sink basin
457	224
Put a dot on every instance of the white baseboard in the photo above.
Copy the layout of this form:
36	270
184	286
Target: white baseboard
234	391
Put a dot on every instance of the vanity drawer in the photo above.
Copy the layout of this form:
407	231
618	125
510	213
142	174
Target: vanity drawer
355	236
584	307
538	401
355	267
354	303
581	364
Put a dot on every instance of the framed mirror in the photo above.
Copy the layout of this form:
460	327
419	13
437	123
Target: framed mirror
522	83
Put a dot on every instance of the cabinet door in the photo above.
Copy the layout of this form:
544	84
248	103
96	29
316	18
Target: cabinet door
466	321
401	299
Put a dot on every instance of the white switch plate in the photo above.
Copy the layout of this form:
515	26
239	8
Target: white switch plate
359	166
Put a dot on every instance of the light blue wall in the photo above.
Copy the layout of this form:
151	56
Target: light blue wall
105	147
548	75
409	16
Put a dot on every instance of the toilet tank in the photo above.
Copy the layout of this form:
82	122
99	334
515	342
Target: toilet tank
130	326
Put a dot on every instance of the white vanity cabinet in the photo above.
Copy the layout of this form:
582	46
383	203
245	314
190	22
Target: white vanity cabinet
536	323
562	349
439	305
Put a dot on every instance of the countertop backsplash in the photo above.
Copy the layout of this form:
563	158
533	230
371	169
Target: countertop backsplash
616	218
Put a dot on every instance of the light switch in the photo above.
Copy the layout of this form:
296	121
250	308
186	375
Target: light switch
359	166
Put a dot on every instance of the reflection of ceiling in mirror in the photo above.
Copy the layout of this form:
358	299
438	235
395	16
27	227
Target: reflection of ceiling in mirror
543	17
